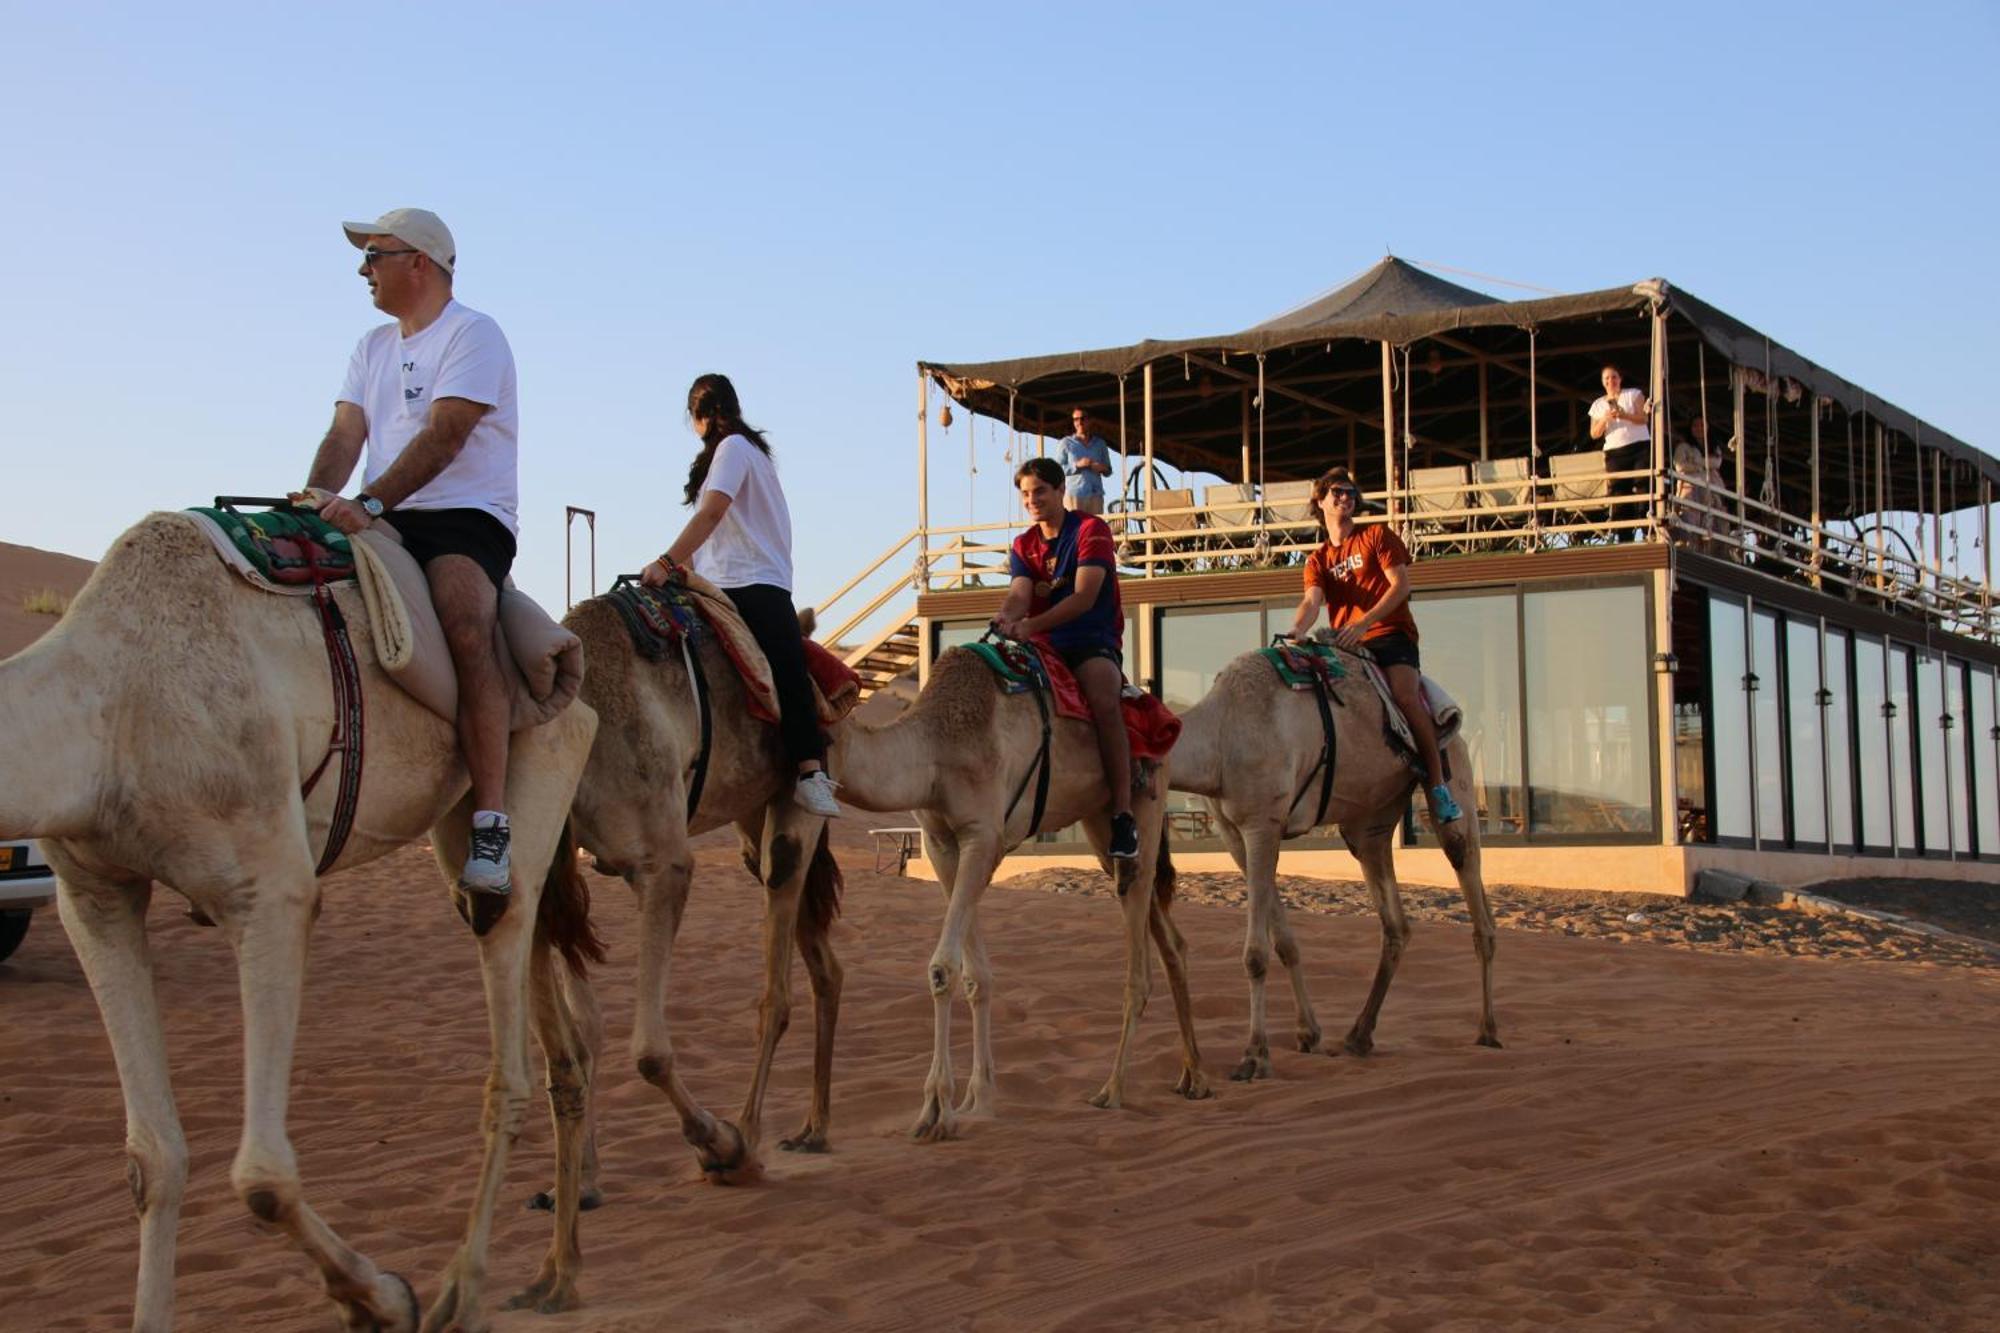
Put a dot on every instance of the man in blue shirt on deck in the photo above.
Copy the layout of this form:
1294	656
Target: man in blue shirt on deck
1086	462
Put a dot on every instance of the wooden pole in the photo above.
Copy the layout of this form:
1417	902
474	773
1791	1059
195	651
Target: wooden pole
1146	424
924	478
1245	396
1534	451
1937	518
1124	462
1986	545
1485	450
1817	555
1742	449
1389	429
1658	370
1353	433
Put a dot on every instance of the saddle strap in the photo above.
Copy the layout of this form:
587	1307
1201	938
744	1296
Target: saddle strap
698	682
1039	770
348	724
1329	750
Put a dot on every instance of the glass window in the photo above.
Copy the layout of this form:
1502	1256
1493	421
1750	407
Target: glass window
1839	742
1871	745
958	633
1954	753
1901	760
1195	643
1588	714
1726	666
1471	646
1802	713
1985	762
1934	787
1767	730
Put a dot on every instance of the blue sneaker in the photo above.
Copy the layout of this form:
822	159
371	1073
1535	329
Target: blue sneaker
1443	806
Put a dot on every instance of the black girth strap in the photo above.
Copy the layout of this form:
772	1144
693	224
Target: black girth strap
1038	770
1329	751
348	719
698	679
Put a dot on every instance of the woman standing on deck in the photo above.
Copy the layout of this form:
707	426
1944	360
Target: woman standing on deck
740	539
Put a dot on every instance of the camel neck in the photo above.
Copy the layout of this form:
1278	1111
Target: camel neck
1196	765
884	769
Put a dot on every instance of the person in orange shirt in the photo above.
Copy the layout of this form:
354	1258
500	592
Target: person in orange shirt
1362	577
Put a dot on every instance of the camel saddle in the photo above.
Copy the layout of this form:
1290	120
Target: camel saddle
661	619
293	551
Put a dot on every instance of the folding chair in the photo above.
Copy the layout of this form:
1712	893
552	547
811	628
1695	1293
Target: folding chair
1229	506
1579	488
1436	494
1183	527
1288	513
1503	484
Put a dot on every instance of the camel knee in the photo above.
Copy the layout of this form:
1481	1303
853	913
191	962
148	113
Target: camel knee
1288	951
776	1016
975	987
270	1191
1255	964
943	974
568	1088
656	1067
156	1173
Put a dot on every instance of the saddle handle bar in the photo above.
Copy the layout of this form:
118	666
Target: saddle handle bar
260	501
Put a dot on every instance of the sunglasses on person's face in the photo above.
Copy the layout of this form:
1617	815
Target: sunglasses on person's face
371	254
1347	493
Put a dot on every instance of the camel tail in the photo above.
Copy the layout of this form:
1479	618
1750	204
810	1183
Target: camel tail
1164	874
564	917
819	902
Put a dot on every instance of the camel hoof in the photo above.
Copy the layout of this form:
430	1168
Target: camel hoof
546	1298
806	1140
392	1293
736	1166
1253	1067
1107	1099
1357	1045
935	1125
1193	1085
542	1201
1490	1041
1309	1041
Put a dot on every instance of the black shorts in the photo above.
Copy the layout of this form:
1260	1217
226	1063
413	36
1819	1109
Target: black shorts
1393	649
1077	656
472	533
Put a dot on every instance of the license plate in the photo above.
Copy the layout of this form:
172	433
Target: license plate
13	856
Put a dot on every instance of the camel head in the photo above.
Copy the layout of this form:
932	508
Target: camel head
808	622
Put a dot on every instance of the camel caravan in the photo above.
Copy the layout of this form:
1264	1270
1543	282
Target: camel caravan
366	677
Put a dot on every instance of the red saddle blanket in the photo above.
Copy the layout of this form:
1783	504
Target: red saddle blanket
839	687
1151	725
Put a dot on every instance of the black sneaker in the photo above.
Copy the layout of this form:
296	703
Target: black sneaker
1124	838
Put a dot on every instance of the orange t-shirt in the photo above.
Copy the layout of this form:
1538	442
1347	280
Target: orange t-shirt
1354	575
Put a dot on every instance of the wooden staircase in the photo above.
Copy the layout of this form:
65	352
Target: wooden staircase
886	658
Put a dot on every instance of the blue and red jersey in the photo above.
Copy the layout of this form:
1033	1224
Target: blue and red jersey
1052	563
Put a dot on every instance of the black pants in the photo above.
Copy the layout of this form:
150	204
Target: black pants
774	623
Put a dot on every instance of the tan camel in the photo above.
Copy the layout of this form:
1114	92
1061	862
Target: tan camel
956	758
1252	746
631	814
163	730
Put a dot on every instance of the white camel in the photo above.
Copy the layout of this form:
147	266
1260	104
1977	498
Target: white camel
172	716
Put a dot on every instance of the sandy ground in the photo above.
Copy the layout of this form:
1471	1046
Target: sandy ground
1684	1136
24	572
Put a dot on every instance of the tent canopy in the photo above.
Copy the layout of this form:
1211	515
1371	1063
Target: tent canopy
1472	377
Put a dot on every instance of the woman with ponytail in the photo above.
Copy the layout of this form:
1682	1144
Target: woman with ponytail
740	539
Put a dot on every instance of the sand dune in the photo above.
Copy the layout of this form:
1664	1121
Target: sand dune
24	571
1671	1138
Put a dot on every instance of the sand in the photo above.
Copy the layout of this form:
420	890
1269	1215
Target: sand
26	571
1674	1136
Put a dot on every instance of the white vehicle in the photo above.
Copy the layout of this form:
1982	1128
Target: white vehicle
26	882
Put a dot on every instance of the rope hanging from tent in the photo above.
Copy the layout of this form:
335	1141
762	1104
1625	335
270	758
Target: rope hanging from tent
1767	494
1701	364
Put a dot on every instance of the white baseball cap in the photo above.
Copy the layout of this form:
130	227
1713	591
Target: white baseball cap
415	226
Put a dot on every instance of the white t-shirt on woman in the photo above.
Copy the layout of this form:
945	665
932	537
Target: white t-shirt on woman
753	543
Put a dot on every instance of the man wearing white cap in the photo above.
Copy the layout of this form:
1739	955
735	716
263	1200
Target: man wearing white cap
431	397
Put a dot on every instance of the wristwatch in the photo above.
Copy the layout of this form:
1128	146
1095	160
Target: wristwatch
369	504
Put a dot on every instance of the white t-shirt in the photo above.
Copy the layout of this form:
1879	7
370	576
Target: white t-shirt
753	543
1624	432
394	380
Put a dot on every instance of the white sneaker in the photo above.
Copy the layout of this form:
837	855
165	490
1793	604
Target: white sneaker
815	792
489	869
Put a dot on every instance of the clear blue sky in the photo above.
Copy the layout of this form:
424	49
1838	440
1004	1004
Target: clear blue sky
811	198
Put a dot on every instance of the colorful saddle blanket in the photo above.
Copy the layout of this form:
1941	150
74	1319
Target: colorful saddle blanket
1301	666
658	619
291	547
1151	725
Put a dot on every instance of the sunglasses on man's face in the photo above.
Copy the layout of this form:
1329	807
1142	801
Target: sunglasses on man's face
371	254
1348	493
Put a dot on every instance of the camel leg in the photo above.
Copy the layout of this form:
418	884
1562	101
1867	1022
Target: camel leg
980	1086
580	998
1135	896
788	838
1378	868
1282	942
978	853
824	970
566	1039
661	883
106	923
1255	851
1460	840
270	942
504	965
1193	1083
